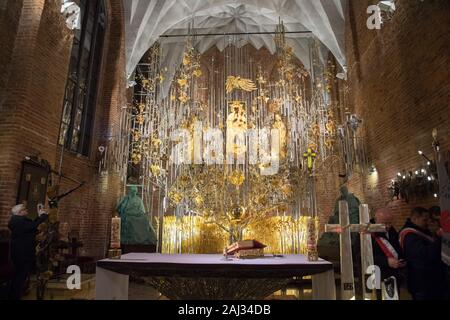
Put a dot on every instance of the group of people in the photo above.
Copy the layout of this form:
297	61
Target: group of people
413	253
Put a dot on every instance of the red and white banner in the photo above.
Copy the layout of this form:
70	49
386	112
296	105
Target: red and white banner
388	250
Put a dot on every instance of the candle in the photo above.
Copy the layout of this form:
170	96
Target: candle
115	233
311	240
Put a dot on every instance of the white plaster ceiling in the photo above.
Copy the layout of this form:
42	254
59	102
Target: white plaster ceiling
147	20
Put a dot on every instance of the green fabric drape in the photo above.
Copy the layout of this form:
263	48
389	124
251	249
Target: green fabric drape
135	225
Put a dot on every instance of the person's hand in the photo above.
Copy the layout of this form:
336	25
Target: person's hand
401	263
41	210
394	263
440	232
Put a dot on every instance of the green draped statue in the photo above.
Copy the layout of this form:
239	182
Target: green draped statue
135	225
353	207
329	242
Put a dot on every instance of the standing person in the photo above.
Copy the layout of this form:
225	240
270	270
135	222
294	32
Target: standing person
23	246
434	224
438	226
387	253
426	271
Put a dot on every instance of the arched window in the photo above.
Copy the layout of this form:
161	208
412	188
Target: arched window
82	83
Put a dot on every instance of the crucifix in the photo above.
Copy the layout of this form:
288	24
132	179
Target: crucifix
344	229
312	253
310	157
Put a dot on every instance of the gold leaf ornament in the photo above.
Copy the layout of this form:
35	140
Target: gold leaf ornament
175	197
140	119
261	80
156	142
136	136
186	59
236	178
238	83
182	82
183	97
156	170
197	73
198	199
136	158
274	107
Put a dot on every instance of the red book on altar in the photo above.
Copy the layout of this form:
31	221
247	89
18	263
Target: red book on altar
245	245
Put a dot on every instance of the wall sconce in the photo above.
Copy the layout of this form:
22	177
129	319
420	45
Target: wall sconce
102	157
416	184
72	12
387	9
354	122
425	157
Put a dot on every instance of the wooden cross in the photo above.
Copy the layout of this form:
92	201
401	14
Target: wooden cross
310	155
344	229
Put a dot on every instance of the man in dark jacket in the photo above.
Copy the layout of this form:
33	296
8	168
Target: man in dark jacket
23	246
387	253
426	271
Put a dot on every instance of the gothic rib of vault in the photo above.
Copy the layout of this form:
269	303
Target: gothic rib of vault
147	20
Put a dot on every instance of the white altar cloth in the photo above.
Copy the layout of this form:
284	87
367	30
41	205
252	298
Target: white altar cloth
112	275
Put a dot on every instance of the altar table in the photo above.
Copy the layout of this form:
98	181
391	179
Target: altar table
210	276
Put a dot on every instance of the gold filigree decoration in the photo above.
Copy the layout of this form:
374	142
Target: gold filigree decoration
238	83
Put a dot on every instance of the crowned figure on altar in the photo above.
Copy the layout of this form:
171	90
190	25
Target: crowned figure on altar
135	225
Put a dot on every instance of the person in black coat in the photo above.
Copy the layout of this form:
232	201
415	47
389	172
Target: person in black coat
387	253
422	249
23	247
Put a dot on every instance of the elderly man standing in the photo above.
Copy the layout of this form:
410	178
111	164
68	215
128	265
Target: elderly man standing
23	244
387	252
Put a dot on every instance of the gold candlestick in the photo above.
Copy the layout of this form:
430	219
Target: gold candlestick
114	251
312	253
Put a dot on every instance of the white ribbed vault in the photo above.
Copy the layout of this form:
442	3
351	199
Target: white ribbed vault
147	20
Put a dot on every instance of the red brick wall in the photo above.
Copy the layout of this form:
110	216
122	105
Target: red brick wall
31	108
9	16
31	113
399	79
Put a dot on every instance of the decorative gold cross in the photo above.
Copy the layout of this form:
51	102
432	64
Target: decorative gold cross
310	155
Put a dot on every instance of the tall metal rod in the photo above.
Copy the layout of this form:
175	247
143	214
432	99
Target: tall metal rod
231	34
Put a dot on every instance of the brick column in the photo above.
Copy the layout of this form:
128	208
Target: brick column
33	93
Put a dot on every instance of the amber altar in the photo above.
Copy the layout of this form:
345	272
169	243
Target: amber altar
211	277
